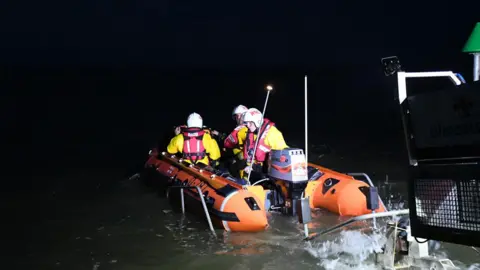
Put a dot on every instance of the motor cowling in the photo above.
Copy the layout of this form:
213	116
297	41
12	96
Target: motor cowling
288	169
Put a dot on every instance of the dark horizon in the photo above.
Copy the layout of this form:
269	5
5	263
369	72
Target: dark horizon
80	80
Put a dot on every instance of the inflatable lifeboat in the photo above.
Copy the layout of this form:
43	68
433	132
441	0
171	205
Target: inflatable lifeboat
235	206
230	206
337	192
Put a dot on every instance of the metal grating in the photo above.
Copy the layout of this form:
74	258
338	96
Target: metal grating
469	202
448	204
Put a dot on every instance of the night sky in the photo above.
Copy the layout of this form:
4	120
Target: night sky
79	76
230	34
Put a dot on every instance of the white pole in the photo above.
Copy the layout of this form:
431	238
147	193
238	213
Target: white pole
269	89
306	122
265	106
476	67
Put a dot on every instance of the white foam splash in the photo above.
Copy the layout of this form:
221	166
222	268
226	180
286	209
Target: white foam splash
463	266
349	250
474	267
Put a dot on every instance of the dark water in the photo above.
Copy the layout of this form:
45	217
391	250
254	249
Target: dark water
74	141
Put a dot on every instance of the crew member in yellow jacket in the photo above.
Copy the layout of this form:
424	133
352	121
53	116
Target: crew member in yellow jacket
234	140
270	139
195	144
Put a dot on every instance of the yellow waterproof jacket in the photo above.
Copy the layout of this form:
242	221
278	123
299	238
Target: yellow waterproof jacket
210	145
236	139
242	133
273	139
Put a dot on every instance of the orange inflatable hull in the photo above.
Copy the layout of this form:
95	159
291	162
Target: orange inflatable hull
339	193
230	206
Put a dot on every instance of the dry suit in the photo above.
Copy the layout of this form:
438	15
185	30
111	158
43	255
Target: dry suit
270	139
196	146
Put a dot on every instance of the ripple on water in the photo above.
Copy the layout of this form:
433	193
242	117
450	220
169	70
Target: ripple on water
133	230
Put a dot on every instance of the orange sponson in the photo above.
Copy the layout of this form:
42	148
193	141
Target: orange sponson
338	193
230	206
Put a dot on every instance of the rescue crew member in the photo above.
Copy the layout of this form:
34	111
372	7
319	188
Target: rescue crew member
232	141
233	145
270	138
195	144
238	113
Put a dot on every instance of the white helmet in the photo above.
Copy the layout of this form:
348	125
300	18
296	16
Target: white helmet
194	120
253	115
240	109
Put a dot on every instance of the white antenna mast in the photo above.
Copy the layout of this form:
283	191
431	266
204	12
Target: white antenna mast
269	89
306	122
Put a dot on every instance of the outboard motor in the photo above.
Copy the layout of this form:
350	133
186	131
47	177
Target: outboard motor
288	170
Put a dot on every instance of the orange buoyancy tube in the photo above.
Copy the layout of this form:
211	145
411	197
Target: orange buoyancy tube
339	193
235	208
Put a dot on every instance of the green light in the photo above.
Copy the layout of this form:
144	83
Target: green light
473	43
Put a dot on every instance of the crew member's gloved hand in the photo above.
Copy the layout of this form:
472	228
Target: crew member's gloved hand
214	163
247	169
178	130
219	135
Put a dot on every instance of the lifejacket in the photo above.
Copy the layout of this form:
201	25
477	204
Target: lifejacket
184	127
193	148
262	148
232	140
